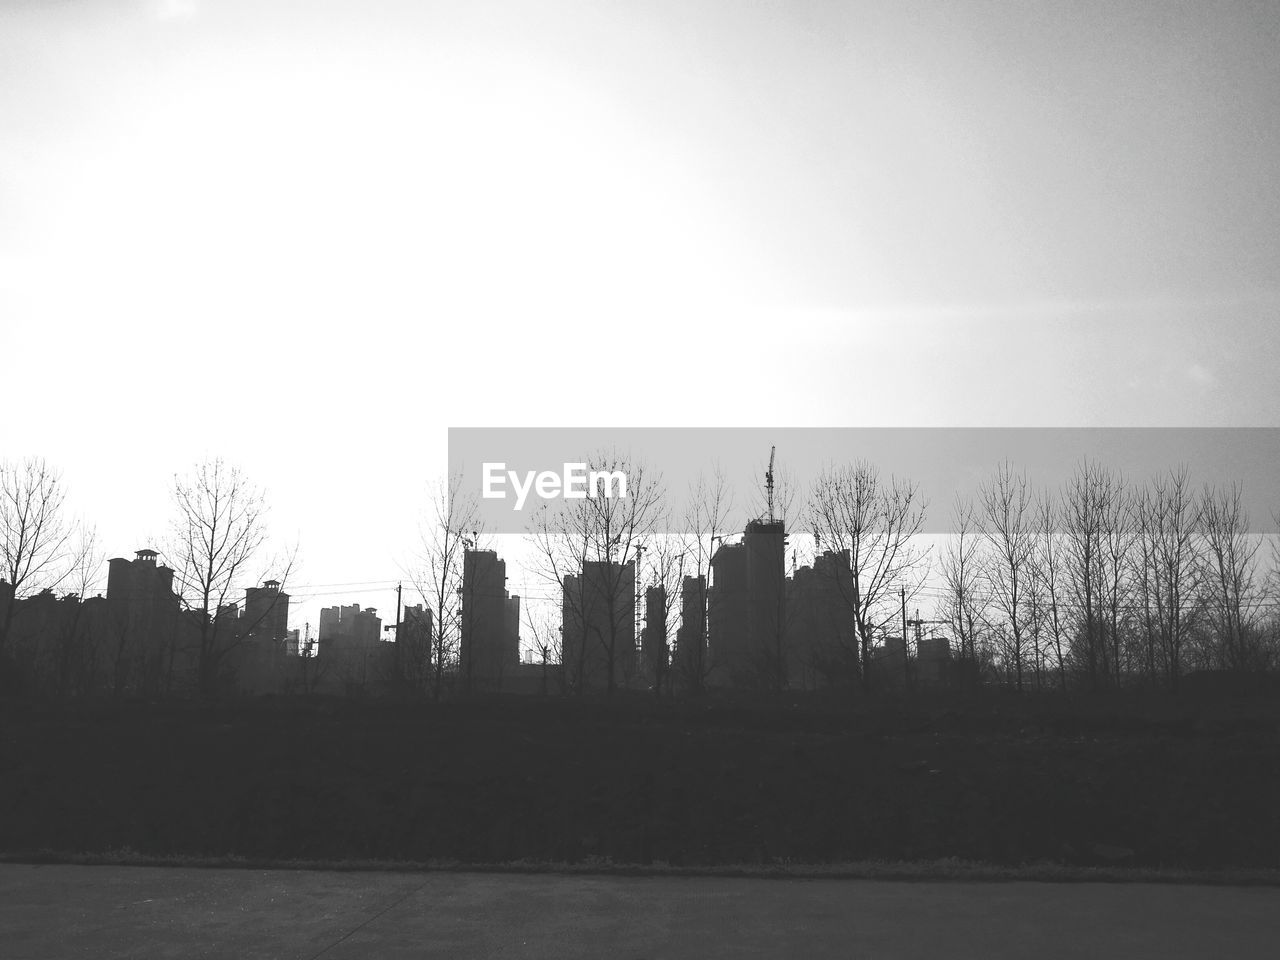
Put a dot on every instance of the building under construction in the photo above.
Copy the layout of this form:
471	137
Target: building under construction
748	608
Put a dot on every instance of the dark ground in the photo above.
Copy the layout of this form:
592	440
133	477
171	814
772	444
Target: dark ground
1146	782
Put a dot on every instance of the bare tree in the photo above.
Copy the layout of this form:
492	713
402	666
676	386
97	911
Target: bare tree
1169	569
1086	502
588	551
853	509
662	566
1230	586
1009	532
544	635
1048	570
964	602
705	524
451	527
1119	536
218	530
75	655
34	534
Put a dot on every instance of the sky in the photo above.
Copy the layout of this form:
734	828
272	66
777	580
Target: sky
310	237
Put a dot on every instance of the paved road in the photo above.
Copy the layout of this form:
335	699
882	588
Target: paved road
143	912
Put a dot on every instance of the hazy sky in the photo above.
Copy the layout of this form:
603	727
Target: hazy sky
310	236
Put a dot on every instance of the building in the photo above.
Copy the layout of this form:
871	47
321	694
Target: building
727	651
266	612
690	659
888	667
140	580
415	630
933	660
352	656
823	643
490	641
153	646
260	633
748	609
348	626
766	546
653	638
598	617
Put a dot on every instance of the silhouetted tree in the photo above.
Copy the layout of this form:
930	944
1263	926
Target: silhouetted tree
853	509
218	530
1047	568
965	600
705	523
544	635
34	535
1230	585
74	658
1007	525
1086	500
450	527
1170	568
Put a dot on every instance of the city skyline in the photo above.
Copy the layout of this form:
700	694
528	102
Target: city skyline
230	226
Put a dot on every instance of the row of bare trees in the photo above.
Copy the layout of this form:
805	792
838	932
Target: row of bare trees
1106	582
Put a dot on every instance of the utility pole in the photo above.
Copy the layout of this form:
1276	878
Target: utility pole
399	657
906	669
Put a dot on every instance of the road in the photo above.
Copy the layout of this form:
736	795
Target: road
99	912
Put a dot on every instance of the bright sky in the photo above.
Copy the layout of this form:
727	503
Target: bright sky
311	236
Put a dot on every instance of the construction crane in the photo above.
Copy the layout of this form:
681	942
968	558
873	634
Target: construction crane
768	482
920	624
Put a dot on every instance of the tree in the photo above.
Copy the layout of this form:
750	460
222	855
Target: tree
588	550
1086	501
451	527
34	534
74	660
705	524
1230	585
1048	571
219	527
545	638
853	509
1119	534
1169	570
964	604
1010	535
662	566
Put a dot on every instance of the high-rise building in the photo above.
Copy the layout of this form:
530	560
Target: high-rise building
822	643
766	546
598	610
653	638
350	648
154	638
140	580
727	649
690	659
266	612
747	609
490	646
